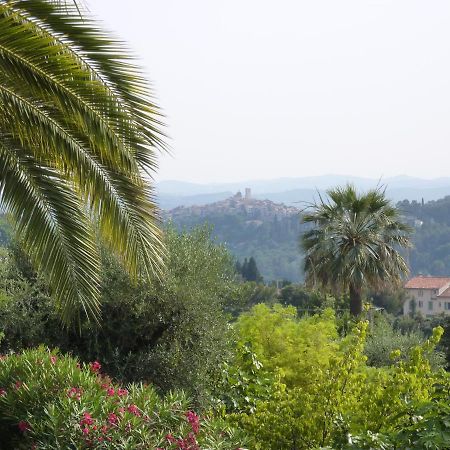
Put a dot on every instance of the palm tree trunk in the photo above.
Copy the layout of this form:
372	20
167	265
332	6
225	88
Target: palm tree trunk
355	300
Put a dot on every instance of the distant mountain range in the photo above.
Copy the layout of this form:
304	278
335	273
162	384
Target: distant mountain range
298	191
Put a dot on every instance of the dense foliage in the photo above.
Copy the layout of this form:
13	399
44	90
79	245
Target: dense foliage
249	270
383	339
172	332
288	368
272	242
431	239
333	399
424	326
277	337
50	401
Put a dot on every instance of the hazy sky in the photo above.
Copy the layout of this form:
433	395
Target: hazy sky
264	89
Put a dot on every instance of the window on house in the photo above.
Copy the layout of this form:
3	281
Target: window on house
447	306
420	293
420	304
430	306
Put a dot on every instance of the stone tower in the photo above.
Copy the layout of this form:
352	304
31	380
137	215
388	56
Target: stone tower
248	193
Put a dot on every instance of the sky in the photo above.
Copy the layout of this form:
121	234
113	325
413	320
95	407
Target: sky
258	89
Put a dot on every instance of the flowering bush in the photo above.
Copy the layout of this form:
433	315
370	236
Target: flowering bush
49	401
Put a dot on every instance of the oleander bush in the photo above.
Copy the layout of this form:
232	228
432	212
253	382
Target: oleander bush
50	401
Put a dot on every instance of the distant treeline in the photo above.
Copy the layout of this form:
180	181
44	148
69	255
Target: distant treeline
272	242
430	254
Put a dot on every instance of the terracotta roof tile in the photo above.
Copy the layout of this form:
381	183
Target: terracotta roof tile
422	282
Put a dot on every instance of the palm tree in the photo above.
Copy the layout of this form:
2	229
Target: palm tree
79	135
354	242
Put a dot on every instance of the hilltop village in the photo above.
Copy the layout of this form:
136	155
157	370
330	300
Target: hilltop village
238	204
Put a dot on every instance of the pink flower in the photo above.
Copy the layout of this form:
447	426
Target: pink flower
85	430
53	359
24	426
113	419
74	393
110	392
122	392
133	409
170	438
95	366
193	419
18	385
104	429
87	419
2	392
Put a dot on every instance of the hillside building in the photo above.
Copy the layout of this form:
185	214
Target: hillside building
428	295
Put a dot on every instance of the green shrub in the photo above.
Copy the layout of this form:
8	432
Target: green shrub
383	339
333	399
424	425
293	347
49	401
248	294
308	300
243	383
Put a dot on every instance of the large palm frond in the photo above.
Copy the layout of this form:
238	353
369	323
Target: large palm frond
79	132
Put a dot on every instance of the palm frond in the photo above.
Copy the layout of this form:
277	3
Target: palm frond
76	112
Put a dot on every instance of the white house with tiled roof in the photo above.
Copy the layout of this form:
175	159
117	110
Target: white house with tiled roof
428	295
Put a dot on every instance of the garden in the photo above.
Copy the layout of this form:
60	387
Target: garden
120	332
170	367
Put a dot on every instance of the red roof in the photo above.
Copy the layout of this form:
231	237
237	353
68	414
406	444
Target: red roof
446	293
422	282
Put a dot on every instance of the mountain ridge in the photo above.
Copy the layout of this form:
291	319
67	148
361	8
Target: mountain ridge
295	191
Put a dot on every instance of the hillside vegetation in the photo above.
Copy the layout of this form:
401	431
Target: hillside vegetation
260	228
270	232
430	254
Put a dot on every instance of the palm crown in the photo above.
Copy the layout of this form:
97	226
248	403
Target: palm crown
354	242
78	131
